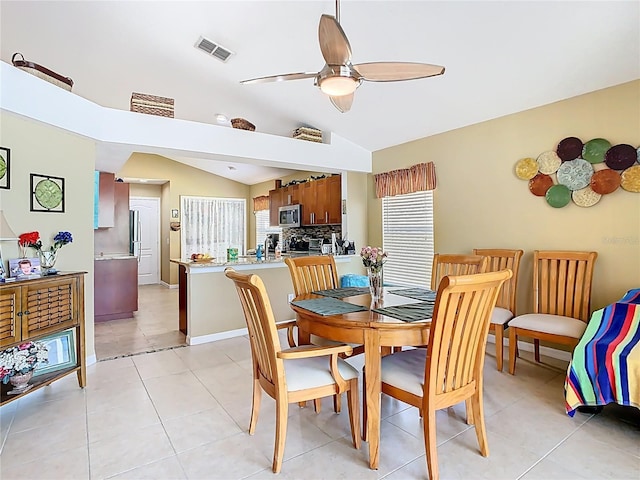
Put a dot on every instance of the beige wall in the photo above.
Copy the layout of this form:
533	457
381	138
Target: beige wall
37	148
183	180
479	202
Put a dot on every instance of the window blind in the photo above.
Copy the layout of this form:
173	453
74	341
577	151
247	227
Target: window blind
407	237
263	228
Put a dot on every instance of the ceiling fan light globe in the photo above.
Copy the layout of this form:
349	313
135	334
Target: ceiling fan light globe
338	86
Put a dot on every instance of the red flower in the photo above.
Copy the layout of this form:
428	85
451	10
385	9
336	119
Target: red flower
24	346
27	239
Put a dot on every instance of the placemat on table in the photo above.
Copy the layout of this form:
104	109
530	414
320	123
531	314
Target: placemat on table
417	294
342	292
411	312
328	306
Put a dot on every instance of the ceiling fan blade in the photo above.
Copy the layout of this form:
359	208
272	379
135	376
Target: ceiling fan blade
333	42
282	77
394	71
342	103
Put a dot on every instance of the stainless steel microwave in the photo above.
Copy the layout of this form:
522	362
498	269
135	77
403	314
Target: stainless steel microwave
290	216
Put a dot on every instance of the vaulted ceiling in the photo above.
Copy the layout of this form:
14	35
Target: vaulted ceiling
501	57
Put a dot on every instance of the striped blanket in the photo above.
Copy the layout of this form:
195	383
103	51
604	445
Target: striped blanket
606	363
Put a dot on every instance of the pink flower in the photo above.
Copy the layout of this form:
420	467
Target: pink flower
24	346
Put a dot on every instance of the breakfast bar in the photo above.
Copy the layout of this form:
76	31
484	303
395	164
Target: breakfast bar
209	308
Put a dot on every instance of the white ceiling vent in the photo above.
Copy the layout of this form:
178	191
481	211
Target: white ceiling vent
213	49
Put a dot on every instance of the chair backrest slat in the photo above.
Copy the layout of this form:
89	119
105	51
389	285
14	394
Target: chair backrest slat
263	334
458	333
562	283
454	264
501	259
316	272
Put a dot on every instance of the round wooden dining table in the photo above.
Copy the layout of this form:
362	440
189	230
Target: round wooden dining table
378	333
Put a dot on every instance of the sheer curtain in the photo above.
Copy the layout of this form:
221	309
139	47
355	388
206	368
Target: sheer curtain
211	225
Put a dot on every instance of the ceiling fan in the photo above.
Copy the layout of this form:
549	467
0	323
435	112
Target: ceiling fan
339	78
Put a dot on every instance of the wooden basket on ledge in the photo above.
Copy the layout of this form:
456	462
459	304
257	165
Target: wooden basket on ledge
242	124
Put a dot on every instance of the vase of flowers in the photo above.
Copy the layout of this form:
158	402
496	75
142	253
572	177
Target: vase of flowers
25	241
373	258
18	363
48	256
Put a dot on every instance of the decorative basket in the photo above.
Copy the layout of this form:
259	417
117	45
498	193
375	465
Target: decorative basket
42	72
242	124
152	104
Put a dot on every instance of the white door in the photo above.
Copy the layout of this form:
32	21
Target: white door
149	217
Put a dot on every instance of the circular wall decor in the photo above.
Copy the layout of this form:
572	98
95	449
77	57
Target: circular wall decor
48	194
570	148
3	167
605	181
594	150
548	162
585	197
526	168
539	184
558	196
575	174
620	157
630	179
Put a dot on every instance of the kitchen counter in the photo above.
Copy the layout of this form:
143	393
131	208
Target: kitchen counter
113	256
245	262
209	308
115	286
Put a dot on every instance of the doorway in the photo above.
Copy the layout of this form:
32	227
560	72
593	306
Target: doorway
149	235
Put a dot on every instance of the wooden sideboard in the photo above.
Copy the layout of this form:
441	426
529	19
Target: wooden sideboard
38	308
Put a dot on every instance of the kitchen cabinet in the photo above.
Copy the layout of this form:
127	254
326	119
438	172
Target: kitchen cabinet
106	200
321	201
115	287
36	308
275	202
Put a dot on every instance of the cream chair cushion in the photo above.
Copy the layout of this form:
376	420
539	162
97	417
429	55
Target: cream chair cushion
553	324
405	370
314	372
500	316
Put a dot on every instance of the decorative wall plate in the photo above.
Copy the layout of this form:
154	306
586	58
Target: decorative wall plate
585	197
594	150
526	168
558	196
569	148
575	174
548	162
620	157
5	168
47	193
630	179
539	184
605	181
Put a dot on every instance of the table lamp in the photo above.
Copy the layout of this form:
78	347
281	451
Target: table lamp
6	235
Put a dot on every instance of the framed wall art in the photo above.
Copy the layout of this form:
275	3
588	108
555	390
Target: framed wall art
47	193
61	349
5	168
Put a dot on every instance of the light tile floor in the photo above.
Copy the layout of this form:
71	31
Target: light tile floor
184	412
153	327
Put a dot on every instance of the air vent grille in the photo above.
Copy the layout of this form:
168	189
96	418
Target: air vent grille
213	49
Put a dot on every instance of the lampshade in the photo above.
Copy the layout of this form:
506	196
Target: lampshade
339	86
6	233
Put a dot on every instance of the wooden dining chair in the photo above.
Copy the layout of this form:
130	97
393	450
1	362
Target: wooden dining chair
313	273
561	301
500	259
293	375
455	264
449	370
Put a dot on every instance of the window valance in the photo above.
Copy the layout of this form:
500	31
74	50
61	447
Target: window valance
261	203
417	178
